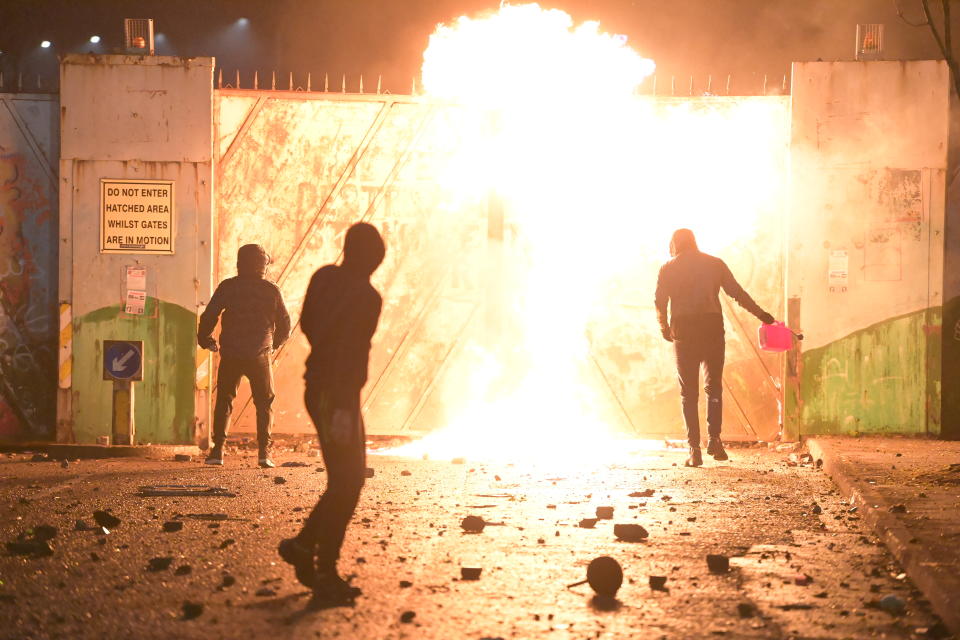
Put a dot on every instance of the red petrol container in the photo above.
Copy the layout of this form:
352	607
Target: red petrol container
775	337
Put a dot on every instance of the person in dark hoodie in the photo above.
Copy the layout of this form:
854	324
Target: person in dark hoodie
690	282
255	323
340	315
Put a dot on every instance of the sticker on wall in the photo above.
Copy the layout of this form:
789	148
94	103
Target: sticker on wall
136	302
839	268
137	278
136	216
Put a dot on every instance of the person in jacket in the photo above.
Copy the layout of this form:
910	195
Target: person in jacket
690	283
340	315
255	323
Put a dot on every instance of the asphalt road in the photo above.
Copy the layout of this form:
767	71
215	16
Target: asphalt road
794	573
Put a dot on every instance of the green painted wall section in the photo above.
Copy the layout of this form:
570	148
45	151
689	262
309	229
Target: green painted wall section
882	379
164	399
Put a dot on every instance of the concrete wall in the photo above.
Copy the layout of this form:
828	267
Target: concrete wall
131	117
29	147
865	271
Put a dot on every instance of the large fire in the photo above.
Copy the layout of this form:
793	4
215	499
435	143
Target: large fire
590	178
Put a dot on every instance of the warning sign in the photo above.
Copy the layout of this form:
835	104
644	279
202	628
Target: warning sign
136	216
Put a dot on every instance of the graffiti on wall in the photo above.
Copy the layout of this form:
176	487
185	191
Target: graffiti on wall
28	279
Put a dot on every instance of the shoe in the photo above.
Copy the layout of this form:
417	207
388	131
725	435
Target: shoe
266	463
329	587
695	459
715	448
215	457
301	558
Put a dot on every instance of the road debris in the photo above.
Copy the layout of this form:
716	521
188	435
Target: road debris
605	513
473	524
279	480
470	573
191	610
407	616
172	526
184	490
182	457
106	520
588	523
646	493
159	564
657	583
718	563
630	532
295	463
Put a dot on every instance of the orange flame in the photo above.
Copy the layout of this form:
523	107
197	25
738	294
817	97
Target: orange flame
591	183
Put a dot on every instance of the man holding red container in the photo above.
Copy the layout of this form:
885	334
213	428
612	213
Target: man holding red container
690	283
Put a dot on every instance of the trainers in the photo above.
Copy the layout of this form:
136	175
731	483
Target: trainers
329	587
695	459
215	457
266	463
301	558
715	448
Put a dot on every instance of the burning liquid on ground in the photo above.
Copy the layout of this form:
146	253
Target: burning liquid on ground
584	179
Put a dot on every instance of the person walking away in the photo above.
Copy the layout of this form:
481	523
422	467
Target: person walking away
340	315
690	283
255	323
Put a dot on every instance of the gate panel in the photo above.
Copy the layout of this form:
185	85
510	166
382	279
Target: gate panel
29	138
302	168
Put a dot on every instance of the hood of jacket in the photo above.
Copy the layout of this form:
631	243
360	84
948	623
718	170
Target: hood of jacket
363	249
681	241
252	261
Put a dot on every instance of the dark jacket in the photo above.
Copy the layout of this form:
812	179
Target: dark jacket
340	314
691	283
254	316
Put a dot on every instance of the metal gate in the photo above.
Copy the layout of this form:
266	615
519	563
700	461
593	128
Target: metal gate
296	169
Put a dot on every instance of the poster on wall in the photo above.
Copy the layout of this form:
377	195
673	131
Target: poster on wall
136	303
136	216
839	268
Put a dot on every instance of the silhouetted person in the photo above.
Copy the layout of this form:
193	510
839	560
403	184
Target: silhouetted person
340	314
255	322
691	284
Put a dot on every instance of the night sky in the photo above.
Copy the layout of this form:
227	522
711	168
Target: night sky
745	38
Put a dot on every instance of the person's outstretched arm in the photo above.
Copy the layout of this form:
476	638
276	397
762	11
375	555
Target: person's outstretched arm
208	320
660	300
735	291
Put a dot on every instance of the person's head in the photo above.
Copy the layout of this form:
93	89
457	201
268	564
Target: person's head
682	240
363	249
252	260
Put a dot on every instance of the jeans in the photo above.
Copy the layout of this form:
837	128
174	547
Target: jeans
693	349
259	373
346	463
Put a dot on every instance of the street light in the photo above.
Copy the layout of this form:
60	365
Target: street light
95	39
46	44
242	22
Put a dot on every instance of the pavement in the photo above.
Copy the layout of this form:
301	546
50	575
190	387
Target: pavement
908	491
802	564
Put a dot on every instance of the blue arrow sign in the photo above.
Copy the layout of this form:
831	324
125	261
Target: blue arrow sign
122	360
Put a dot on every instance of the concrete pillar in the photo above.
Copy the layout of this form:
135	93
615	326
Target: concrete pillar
129	269
870	160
